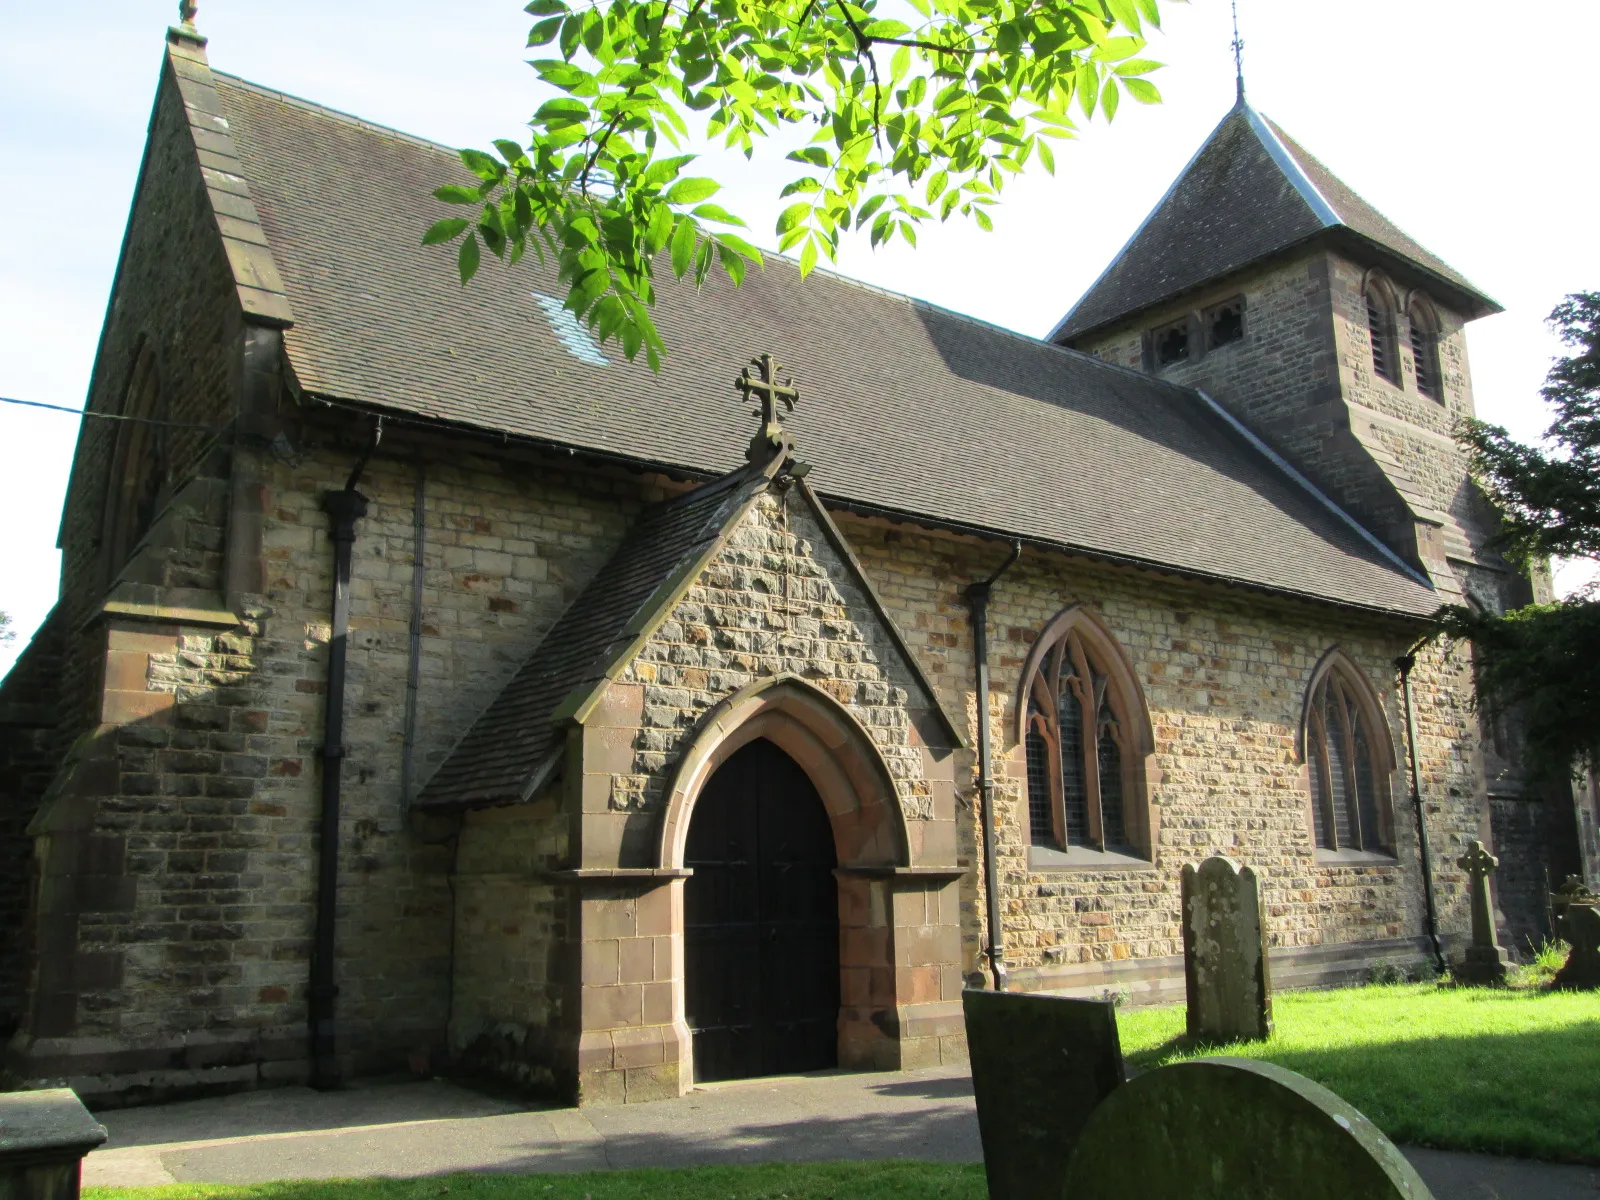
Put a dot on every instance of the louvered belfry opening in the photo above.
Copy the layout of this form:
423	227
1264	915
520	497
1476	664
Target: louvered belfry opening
1425	352
1379	325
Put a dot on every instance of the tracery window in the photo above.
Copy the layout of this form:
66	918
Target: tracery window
1224	322
1425	349
1085	736
137	483
1350	757
1380	328
1170	343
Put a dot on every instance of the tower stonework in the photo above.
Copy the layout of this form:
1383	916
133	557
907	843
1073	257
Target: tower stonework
1257	226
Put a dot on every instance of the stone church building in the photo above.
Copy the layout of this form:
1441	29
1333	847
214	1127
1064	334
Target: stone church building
432	689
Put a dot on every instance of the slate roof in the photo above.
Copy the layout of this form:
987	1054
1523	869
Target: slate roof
906	409
1250	192
501	756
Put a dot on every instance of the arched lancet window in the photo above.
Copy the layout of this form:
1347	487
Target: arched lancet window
1350	757
1425	348
1086	736
1380	329
137	484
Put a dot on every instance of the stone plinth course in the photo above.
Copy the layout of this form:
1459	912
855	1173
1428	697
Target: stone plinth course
43	1138
1225	953
1234	1129
1040	1067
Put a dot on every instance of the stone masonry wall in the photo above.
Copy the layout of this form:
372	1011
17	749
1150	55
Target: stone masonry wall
778	599
513	981
27	761
174	294
1224	674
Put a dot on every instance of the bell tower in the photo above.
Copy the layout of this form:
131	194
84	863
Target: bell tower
1263	281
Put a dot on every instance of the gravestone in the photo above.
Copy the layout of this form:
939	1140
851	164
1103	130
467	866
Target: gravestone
1040	1066
1234	1129
1580	926
1484	961
43	1138
1225	953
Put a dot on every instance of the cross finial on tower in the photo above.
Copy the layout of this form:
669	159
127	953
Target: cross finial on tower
1238	55
764	384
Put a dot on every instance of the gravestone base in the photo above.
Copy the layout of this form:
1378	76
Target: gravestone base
1482	966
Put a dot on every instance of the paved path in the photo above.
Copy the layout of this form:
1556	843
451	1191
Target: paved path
412	1129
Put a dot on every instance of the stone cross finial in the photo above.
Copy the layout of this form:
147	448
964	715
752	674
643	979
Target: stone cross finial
763	383
186	12
1483	962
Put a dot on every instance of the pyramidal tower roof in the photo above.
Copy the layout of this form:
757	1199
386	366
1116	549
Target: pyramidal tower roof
1251	192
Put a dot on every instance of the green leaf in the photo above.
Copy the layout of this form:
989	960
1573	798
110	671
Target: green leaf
732	263
484	166
467	260
451	194
543	33
510	151
1047	156
445	231
982	218
808	257
1142	90
1109	98
936	184
715	212
793	216
691	191
561	111
682	246
734	242
544	8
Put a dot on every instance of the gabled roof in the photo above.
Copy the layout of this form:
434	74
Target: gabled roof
907	410
510	750
1249	193
515	746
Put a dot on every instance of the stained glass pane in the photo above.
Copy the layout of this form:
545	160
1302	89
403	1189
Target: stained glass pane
1112	824
1366	786
1319	790
1039	826
1339	767
1074	780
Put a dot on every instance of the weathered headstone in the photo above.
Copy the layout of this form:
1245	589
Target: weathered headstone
1040	1066
1225	953
1484	961
1580	926
43	1138
1234	1129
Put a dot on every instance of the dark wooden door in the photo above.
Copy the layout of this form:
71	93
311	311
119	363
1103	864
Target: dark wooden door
761	921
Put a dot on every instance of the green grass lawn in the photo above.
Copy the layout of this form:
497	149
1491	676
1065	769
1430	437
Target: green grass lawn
1497	1071
770	1181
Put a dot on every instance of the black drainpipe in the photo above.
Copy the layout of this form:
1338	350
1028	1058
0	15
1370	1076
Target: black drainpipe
1405	662
978	603
345	509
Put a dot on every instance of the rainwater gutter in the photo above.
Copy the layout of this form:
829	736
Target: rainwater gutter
978	603
344	509
1405	663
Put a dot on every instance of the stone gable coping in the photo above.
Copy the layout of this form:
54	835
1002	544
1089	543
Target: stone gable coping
255	271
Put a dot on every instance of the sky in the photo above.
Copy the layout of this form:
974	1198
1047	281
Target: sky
1467	127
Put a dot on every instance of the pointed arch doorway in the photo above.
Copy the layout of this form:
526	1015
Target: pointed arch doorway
761	921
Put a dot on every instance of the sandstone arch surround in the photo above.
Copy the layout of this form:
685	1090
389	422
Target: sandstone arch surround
899	907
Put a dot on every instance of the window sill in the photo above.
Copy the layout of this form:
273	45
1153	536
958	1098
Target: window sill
1081	858
1334	858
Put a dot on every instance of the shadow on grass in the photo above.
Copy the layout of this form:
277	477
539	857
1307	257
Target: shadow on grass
1528	1095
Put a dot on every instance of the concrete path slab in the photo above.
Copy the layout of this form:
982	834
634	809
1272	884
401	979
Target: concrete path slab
434	1128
